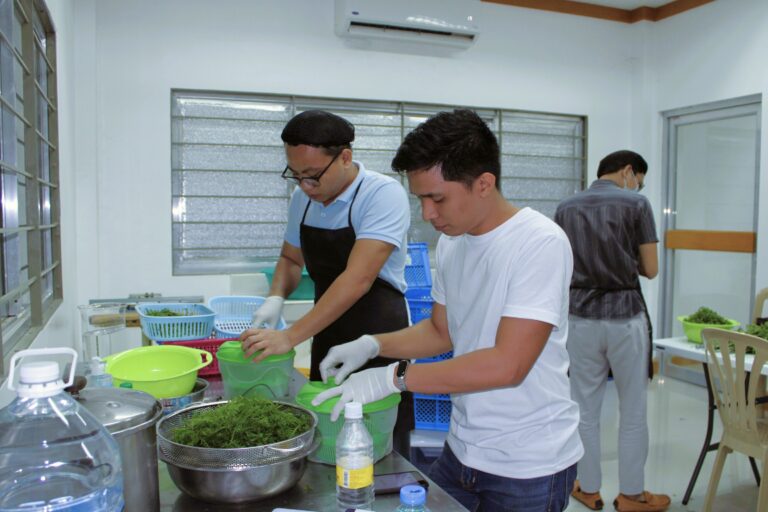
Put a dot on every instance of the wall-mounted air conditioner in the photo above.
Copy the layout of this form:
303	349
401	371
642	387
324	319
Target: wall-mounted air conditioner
438	22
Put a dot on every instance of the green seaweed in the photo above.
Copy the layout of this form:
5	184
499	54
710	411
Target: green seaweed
705	315
243	422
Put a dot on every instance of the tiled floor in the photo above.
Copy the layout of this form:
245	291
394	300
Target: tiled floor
677	421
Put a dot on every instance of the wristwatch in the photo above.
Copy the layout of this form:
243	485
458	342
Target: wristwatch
402	366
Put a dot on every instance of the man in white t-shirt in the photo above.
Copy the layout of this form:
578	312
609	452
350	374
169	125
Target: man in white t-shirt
501	305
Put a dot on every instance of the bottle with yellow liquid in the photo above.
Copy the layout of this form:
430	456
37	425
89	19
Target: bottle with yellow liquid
354	461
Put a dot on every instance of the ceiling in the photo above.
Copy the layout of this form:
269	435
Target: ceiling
628	4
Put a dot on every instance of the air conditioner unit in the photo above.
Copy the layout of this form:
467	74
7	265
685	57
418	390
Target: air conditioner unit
438	22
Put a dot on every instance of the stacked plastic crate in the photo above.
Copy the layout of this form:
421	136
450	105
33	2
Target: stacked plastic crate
433	412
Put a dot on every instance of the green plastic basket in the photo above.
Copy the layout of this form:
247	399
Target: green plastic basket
305	290
693	330
270	378
379	418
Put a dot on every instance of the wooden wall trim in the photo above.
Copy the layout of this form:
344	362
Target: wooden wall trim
607	13
700	240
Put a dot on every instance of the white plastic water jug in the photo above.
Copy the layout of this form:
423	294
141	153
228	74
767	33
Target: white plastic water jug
54	454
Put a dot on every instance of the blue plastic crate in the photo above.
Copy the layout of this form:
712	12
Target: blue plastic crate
234	314
432	412
417	272
437	358
420	309
195	322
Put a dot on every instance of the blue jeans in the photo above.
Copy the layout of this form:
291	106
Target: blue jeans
483	492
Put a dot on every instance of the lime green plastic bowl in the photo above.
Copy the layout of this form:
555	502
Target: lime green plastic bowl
163	371
378	417
693	330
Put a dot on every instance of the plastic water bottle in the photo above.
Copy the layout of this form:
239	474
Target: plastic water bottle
413	498
354	461
99	378
54	455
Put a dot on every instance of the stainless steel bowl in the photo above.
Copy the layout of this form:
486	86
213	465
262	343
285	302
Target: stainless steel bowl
240	486
179	402
234	475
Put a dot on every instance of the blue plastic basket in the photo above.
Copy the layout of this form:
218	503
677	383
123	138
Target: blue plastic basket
195	323
419	303
437	358
417	273
432	412
234	314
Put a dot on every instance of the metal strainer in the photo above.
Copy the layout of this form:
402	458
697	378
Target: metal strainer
229	458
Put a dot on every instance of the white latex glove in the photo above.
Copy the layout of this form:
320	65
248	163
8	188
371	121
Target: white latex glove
350	356
268	314
364	387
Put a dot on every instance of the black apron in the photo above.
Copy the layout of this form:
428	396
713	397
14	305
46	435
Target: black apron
382	309
645	313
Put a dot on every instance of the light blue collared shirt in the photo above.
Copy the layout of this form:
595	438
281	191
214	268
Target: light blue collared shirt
380	212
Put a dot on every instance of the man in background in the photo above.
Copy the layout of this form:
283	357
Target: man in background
613	236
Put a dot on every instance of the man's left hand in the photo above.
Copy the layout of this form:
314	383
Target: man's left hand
269	341
364	387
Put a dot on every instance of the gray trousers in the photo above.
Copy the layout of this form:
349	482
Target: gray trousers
595	346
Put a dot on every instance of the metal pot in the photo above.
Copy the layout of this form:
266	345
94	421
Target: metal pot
130	417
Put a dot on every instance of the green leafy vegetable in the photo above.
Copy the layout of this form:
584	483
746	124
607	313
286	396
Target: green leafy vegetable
705	315
243	422
761	331
167	312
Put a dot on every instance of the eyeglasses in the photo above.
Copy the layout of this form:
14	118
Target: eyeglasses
311	181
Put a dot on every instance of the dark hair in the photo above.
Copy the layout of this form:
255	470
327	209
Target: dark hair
321	129
620	159
459	141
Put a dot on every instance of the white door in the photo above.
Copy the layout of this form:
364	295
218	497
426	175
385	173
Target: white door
710	214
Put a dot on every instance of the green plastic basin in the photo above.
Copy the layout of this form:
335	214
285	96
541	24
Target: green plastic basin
379	418
693	330
163	371
304	291
270	378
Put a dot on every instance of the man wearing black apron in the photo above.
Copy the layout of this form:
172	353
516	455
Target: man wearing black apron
358	273
613	236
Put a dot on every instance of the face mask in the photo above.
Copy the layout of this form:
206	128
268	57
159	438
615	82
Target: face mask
635	189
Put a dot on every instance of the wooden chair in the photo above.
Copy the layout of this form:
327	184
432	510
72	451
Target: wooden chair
736	395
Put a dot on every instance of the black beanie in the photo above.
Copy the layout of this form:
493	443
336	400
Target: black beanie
318	128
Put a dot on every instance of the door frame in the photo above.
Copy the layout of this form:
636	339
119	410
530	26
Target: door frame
673	119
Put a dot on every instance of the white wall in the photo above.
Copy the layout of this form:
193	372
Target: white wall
119	60
711	53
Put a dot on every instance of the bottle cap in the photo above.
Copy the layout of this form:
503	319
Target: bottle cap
98	366
39	379
353	410
413	495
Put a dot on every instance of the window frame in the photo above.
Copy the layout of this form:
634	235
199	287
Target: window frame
36	234
409	114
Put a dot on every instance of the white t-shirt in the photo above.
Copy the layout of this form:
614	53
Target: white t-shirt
521	269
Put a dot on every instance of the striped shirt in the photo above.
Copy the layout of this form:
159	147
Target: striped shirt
606	226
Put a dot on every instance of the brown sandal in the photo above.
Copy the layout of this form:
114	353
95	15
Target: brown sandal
592	500
648	503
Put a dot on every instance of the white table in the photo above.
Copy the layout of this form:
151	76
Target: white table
682	347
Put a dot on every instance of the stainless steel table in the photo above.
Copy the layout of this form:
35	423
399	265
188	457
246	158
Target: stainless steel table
315	491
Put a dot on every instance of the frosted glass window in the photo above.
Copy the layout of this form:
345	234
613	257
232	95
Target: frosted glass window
229	204
31	281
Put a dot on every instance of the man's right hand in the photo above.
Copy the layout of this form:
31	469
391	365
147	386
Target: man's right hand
344	359
268	314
